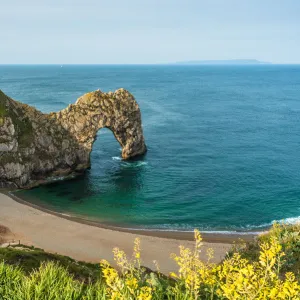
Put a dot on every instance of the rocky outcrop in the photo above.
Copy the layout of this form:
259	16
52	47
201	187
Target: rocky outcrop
36	146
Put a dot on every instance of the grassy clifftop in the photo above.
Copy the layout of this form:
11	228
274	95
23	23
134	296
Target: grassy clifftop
2	104
18	113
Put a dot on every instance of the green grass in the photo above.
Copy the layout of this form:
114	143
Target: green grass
2	104
51	281
30	258
16	111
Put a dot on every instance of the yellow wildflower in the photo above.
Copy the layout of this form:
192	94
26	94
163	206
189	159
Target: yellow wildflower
145	293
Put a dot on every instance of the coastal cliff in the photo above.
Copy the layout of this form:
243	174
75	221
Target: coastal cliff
36	147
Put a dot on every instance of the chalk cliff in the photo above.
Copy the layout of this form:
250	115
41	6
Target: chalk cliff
35	147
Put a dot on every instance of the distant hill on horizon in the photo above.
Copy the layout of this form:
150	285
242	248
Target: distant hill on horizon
224	62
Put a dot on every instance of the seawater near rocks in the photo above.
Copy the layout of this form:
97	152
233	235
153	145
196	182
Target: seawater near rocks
36	147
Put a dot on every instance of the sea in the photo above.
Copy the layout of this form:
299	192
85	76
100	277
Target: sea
223	145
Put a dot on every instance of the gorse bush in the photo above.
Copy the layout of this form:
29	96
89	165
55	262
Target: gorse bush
263	274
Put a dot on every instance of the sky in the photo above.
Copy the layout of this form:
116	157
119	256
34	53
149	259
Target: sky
148	31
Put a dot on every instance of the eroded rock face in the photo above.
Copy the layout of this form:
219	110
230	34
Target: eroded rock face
35	146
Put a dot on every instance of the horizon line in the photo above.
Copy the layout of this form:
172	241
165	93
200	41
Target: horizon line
146	64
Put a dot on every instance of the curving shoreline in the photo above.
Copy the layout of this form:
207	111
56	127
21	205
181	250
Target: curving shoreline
211	237
87	242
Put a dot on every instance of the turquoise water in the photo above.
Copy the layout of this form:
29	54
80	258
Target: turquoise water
224	145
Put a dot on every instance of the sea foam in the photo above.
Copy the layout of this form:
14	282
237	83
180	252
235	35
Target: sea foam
116	158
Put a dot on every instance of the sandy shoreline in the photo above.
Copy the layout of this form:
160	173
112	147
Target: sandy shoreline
89	241
211	237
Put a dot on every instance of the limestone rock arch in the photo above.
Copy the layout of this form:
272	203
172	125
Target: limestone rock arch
36	147
117	111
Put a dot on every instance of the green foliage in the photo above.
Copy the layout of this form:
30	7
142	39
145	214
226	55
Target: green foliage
259	270
30	259
2	105
288	237
17	112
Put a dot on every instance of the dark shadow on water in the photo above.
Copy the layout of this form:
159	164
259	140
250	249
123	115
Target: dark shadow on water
63	193
123	177
76	199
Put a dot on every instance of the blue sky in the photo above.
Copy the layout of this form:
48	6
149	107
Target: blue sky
148	31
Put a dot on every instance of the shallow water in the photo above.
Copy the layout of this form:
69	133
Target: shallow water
223	145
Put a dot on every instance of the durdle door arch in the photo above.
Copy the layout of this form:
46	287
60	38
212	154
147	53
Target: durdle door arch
35	147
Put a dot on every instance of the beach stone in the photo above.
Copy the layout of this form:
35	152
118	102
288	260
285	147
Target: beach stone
35	147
